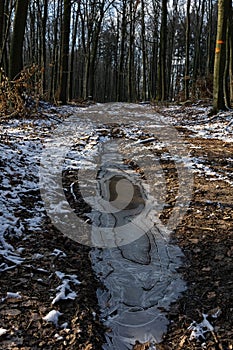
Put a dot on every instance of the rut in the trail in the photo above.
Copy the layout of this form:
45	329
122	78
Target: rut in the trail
140	277
134	258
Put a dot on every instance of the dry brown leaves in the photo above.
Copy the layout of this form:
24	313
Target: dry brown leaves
21	96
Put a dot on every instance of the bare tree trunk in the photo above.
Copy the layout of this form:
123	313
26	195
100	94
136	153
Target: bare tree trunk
187	44
144	54
65	52
120	90
16	50
44	31
2	7
74	38
230	31
5	24
131	68
94	48
162	86
226	70
210	21
220	56
54	65
198	32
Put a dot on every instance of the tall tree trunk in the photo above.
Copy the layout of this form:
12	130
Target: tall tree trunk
120	89
210	21
154	67
54	65
171	50
65	52
43	58
74	38
162	86
131	73
187	44
94	48
144	55
220	55
230	31
226	70
5	24
198	32
2	6
16	50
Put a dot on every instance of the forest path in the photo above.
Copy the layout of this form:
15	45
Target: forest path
135	258
44	266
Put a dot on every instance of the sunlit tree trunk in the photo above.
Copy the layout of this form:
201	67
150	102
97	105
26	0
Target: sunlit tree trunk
226	70
220	56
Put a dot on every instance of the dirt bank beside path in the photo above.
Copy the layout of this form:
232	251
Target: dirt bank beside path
38	263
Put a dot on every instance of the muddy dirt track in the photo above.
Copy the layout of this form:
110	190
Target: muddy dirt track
38	263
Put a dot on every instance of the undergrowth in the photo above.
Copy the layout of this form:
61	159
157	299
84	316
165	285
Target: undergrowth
20	97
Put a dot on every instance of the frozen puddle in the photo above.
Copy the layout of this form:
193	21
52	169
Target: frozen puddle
140	277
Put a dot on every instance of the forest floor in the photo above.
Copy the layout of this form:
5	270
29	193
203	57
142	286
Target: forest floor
48	287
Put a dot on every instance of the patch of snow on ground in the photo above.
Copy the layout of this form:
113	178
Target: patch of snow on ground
199	166
3	331
220	128
12	295
64	290
19	168
53	317
200	329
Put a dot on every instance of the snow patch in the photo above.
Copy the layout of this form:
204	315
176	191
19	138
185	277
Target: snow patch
53	317
64	290
200	329
3	331
10	295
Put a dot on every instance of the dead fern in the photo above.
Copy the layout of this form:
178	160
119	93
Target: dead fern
21	96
